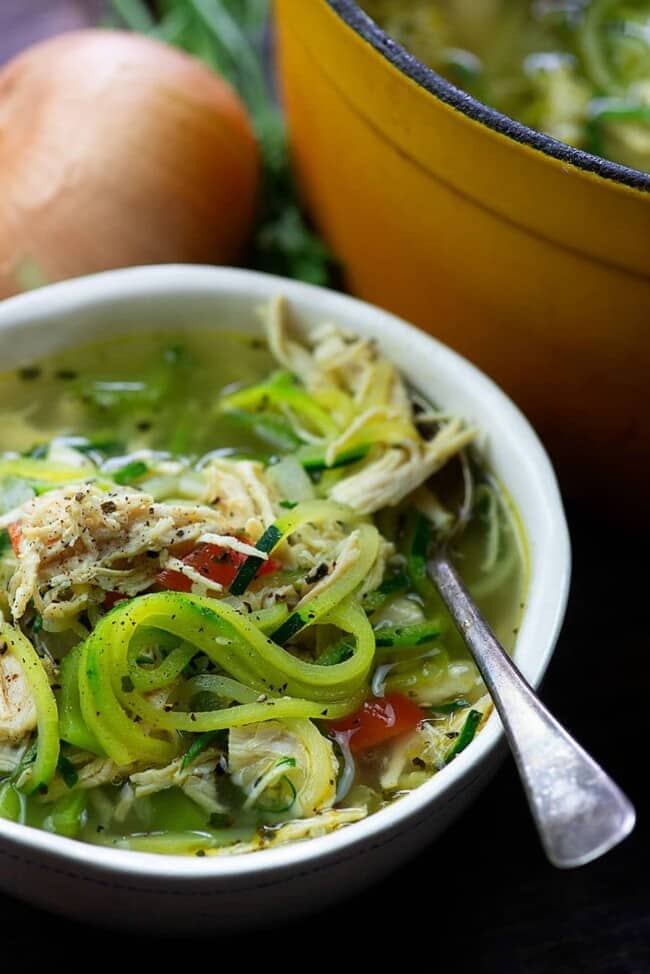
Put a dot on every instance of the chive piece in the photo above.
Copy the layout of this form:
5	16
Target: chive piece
288	505
289	628
37	623
67	771
130	472
5	541
282	802
249	569
466	735
198	745
403	636
390	586
313	458
418	554
337	653
268	428
105	447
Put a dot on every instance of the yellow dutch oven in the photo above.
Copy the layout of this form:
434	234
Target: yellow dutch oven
530	257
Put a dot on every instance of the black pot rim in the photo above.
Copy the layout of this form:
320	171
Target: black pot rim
350	12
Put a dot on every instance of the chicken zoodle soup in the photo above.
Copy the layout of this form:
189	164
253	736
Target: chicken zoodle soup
217	629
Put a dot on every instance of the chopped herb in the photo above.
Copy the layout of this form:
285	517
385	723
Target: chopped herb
266	427
248	569
289	505
174	354
130	472
313	460
106	448
67	771
418	634
393	585
199	744
466	735
337	653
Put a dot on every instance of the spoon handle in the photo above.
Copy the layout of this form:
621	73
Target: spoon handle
580	813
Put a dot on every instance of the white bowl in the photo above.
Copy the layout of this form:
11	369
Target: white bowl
144	891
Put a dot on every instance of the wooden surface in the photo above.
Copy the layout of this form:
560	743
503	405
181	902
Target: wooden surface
482	899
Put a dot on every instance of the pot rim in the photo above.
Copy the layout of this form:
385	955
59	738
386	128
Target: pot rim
354	17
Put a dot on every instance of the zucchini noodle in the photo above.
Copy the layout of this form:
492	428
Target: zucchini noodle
47	718
129	726
283	390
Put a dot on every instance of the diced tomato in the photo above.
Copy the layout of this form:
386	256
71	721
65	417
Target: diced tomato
175	581
216	564
15	533
112	597
379	720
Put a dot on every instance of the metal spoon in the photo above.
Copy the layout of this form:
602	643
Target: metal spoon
580	813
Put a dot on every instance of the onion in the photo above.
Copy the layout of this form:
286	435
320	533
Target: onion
118	150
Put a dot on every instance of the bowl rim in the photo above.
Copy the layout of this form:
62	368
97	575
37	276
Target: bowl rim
358	20
155	283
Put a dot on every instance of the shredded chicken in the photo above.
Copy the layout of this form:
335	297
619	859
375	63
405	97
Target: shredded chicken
76	537
237	488
329	820
90	774
402	462
261	754
399	470
197	780
17	709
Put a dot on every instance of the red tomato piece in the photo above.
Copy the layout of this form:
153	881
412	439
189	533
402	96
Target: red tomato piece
112	597
215	564
379	720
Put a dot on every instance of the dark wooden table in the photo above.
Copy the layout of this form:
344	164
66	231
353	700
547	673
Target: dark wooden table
482	899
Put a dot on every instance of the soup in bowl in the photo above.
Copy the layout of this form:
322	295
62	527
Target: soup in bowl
219	640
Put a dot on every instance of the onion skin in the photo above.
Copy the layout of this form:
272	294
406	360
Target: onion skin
117	150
